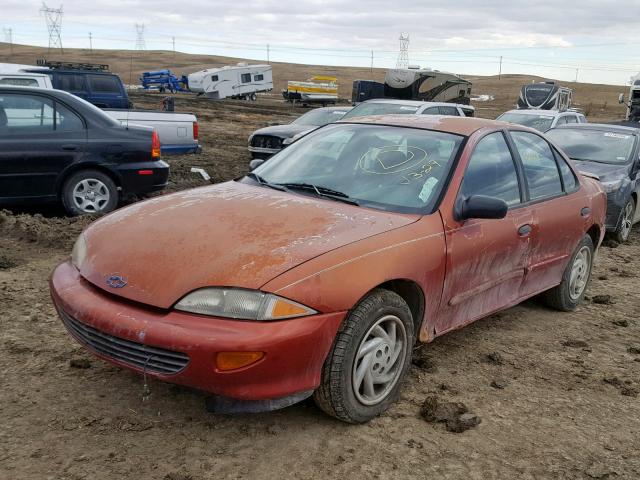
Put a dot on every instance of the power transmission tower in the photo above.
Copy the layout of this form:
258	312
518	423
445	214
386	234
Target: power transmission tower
53	17
8	37
403	56
140	45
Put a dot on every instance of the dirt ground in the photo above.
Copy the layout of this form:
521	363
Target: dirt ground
557	393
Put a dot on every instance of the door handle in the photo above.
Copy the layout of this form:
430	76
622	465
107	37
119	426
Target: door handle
70	147
585	212
524	230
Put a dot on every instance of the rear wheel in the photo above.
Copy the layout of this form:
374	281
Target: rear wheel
569	294
363	373
623	231
89	191
253	97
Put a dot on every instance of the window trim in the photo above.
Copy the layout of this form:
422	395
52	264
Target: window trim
54	101
519	175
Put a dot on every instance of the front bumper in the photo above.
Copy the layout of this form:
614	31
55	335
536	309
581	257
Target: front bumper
295	349
133	182
263	152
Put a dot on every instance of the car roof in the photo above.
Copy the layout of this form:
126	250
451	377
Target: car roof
28	89
537	111
457	125
412	103
346	108
602	127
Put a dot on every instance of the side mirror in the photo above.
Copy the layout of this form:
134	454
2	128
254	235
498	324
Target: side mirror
480	206
255	163
621	98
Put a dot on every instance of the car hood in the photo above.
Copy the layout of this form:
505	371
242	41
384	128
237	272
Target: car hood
604	171
231	234
284	131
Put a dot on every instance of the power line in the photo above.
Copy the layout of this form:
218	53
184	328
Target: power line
53	18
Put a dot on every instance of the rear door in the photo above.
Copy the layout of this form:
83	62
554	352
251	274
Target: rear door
39	138
486	259
559	210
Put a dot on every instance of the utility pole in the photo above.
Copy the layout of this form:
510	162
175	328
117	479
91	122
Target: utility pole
140	45
268	54
173	42
372	62
90	43
53	17
8	38
576	80
500	71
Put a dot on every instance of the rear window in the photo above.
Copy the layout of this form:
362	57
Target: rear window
104	84
539	122
381	109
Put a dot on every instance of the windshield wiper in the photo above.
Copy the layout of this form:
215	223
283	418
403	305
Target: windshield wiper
322	192
263	182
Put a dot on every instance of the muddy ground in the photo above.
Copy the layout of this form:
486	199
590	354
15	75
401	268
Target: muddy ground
557	393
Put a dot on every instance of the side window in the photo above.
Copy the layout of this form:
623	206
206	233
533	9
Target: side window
452	111
71	83
214	78
104	84
568	178
562	120
540	168
25	114
66	120
431	111
20	82
245	78
571	119
258	78
491	171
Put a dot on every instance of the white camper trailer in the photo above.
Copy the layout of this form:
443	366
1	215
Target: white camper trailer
238	81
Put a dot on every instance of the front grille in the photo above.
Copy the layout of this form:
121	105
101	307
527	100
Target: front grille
266	141
139	355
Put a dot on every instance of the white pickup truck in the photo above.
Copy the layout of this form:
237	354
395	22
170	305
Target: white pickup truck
178	132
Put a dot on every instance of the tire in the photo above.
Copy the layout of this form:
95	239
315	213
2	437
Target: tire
625	224
253	97
337	394
89	192
568	295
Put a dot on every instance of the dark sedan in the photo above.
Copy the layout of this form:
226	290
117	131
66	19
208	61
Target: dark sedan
612	153
268	141
55	146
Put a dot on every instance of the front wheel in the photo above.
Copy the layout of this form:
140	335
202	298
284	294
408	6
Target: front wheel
364	370
623	231
569	294
89	191
253	97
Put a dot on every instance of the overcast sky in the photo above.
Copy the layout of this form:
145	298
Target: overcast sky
599	38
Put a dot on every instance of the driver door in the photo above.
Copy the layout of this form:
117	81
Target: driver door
485	259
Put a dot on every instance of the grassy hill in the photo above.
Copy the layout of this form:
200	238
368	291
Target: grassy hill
600	102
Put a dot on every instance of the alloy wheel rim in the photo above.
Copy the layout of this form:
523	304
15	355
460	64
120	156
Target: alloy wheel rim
91	195
580	273
379	360
627	221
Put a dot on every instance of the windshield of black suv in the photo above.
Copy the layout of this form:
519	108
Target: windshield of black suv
382	108
594	145
539	122
320	117
389	168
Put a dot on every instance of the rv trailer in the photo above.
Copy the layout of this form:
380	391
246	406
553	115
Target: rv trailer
415	83
633	105
545	96
318	89
239	81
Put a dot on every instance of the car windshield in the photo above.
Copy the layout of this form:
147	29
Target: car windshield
539	122
380	109
389	168
319	117
594	145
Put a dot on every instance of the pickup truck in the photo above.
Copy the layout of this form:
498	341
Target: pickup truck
178	132
55	146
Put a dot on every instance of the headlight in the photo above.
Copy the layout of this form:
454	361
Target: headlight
612	185
242	304
79	251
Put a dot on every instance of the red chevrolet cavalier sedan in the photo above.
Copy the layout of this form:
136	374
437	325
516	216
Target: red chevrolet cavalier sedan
316	273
